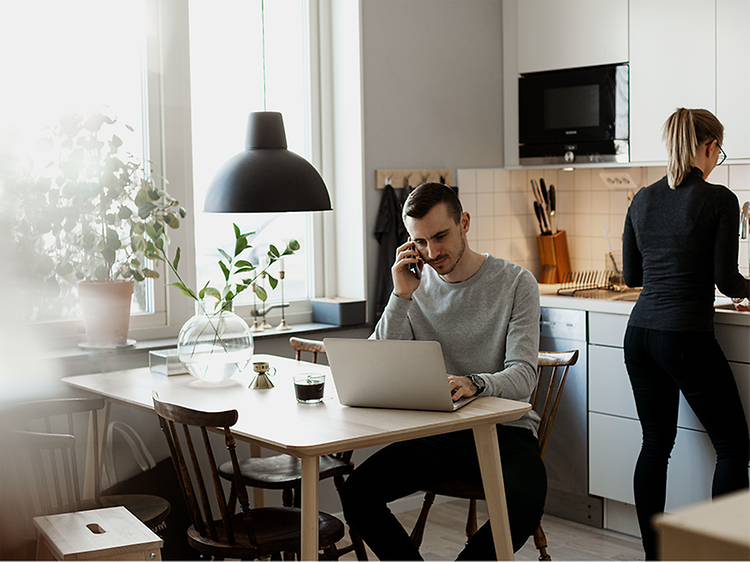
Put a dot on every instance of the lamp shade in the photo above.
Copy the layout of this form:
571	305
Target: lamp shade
266	177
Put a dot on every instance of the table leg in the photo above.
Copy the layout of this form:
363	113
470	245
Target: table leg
310	508
485	437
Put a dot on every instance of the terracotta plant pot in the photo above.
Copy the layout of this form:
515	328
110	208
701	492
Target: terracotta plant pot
106	311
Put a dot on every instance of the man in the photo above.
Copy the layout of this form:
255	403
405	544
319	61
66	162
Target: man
484	311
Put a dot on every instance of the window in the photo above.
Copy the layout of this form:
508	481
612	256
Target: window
77	55
227	83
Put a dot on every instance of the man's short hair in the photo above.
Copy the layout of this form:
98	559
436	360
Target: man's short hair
424	197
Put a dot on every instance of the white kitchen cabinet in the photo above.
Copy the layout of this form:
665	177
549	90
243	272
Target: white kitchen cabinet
614	429
672	64
616	442
554	34
733	75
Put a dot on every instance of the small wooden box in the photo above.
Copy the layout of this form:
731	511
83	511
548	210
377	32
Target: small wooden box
553	256
112	533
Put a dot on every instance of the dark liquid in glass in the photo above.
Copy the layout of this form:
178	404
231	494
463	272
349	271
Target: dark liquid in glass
309	391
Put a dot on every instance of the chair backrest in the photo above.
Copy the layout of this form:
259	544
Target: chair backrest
46	473
71	417
300	344
553	369
188	454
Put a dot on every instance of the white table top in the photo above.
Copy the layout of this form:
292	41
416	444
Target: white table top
273	418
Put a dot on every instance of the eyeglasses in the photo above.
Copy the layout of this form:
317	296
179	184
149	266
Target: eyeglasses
722	157
722	154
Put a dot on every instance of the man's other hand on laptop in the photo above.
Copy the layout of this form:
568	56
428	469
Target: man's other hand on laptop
461	387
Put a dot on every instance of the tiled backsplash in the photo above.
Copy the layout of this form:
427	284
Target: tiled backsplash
503	223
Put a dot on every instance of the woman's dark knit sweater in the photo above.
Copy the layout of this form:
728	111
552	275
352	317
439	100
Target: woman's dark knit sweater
677	244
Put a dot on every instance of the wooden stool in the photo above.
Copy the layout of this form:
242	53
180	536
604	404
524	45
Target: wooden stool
112	533
712	530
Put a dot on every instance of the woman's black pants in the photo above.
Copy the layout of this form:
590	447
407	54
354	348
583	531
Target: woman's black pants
401	469
661	364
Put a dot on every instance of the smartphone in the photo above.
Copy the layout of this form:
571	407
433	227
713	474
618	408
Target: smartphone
415	267
415	270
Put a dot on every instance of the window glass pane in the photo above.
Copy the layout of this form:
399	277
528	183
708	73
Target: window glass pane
226	57
62	57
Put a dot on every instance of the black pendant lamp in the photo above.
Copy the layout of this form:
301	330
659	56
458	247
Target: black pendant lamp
266	177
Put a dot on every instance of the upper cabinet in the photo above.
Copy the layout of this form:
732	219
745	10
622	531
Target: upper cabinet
565	34
672	64
682	53
733	75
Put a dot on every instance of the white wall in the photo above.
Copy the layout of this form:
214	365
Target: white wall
501	204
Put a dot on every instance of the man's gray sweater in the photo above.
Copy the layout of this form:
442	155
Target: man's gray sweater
487	325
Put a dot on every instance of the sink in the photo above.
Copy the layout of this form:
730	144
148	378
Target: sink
629	295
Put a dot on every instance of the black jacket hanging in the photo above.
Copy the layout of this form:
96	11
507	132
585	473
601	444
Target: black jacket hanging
390	233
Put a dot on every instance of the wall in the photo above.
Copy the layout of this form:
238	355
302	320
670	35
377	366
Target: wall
432	92
503	222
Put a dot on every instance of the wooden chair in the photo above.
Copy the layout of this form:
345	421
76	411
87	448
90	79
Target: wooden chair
251	533
49	467
553	370
284	472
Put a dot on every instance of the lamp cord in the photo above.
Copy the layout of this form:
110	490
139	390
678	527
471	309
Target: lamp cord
263	46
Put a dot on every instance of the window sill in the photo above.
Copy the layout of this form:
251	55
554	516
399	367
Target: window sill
76	360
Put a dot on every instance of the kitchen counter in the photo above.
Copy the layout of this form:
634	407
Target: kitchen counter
725	312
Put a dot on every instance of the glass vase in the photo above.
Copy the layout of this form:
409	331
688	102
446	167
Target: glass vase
215	345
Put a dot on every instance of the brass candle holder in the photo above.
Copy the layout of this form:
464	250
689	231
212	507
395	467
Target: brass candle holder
283	325
263	371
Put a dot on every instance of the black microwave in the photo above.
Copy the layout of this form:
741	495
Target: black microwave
575	115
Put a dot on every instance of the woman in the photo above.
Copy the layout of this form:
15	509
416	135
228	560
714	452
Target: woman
681	239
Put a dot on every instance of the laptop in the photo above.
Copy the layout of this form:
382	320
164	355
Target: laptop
400	374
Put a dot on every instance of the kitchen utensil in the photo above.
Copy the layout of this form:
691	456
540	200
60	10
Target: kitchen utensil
537	192
545	195
539	217
542	206
553	208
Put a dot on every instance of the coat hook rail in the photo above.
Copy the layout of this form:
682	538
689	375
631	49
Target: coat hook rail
397	178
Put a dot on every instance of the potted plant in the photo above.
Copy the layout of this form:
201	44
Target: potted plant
216	344
94	218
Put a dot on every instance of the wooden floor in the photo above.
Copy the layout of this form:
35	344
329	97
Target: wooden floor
444	537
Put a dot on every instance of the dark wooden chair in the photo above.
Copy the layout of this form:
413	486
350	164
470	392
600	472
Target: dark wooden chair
249	534
284	472
553	370
48	464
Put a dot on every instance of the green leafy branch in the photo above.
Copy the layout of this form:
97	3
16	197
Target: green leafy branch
239	274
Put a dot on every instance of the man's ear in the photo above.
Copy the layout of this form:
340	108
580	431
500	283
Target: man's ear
465	221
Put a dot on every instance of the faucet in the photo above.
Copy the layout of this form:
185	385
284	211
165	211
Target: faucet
744	220
267	309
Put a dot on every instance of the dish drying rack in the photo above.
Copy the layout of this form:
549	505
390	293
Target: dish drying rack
575	281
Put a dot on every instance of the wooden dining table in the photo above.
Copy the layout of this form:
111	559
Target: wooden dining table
273	419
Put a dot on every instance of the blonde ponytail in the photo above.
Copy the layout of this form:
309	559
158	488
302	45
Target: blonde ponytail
684	132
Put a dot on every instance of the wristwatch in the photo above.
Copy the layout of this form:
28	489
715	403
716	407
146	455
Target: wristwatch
478	382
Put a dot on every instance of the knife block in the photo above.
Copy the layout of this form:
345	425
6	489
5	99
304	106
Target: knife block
553	256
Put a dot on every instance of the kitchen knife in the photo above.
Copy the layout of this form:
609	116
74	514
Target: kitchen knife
540	217
545	195
537	192
553	208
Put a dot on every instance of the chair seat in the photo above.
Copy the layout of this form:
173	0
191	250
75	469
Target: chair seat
282	471
151	510
458	489
277	529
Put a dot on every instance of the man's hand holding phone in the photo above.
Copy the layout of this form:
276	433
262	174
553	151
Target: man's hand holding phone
406	270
